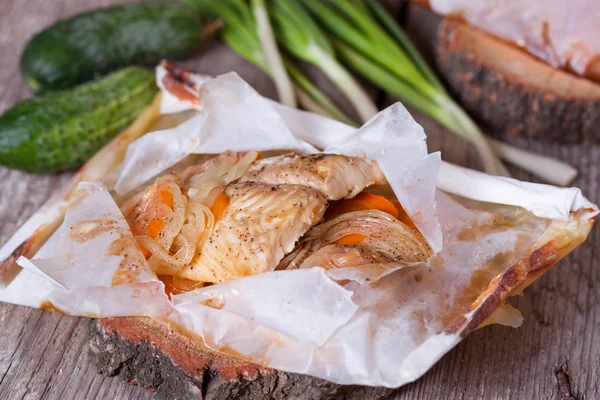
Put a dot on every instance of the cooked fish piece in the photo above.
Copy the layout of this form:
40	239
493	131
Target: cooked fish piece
334	176
259	226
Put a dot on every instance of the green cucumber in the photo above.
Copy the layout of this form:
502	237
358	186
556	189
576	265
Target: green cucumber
61	130
92	44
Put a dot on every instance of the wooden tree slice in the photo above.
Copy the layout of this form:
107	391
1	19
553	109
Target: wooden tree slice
145	352
512	91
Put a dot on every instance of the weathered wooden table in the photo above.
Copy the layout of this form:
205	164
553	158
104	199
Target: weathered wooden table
44	355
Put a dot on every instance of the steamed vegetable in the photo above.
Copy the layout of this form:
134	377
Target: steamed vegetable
97	42
62	130
357	238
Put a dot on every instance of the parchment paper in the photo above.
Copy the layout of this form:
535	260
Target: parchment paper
373	325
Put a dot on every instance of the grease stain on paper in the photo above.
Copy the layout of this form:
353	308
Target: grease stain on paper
83	231
132	259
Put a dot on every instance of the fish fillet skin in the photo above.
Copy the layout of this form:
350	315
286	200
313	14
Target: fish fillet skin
261	224
334	176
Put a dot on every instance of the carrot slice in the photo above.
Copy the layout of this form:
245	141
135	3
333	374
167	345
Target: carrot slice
218	208
145	251
155	227
177	285
351	240
363	201
166	197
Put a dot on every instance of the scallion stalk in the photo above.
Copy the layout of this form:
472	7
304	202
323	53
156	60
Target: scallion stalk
312	98
549	169
387	58
282	81
241	34
299	34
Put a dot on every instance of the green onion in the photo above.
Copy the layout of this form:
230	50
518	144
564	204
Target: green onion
278	71
382	54
299	34
368	48
371	51
241	34
387	58
312	98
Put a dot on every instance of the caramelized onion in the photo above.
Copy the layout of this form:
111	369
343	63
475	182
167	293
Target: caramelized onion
174	224
386	240
341	256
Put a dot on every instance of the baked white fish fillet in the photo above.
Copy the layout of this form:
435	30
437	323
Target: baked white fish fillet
334	176
261	224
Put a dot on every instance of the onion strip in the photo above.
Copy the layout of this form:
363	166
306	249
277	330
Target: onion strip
387	239
190	221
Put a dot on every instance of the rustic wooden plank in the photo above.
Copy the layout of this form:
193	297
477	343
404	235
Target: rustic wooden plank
43	355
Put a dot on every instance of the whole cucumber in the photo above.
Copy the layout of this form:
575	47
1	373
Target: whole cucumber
92	44
61	130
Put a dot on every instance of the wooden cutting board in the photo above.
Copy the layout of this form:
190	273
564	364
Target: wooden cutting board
44	354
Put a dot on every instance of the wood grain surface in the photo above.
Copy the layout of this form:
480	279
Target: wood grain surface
554	355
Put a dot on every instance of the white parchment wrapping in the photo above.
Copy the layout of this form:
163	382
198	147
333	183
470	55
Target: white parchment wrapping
368	326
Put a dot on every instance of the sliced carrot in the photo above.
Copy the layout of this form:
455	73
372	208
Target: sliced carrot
260	155
221	203
145	251
155	227
363	201
351	240
166	197
177	285
160	194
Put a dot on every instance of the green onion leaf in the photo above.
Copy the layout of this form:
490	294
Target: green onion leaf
301	36
241	34
312	98
282	81
370	50
346	22
390	24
